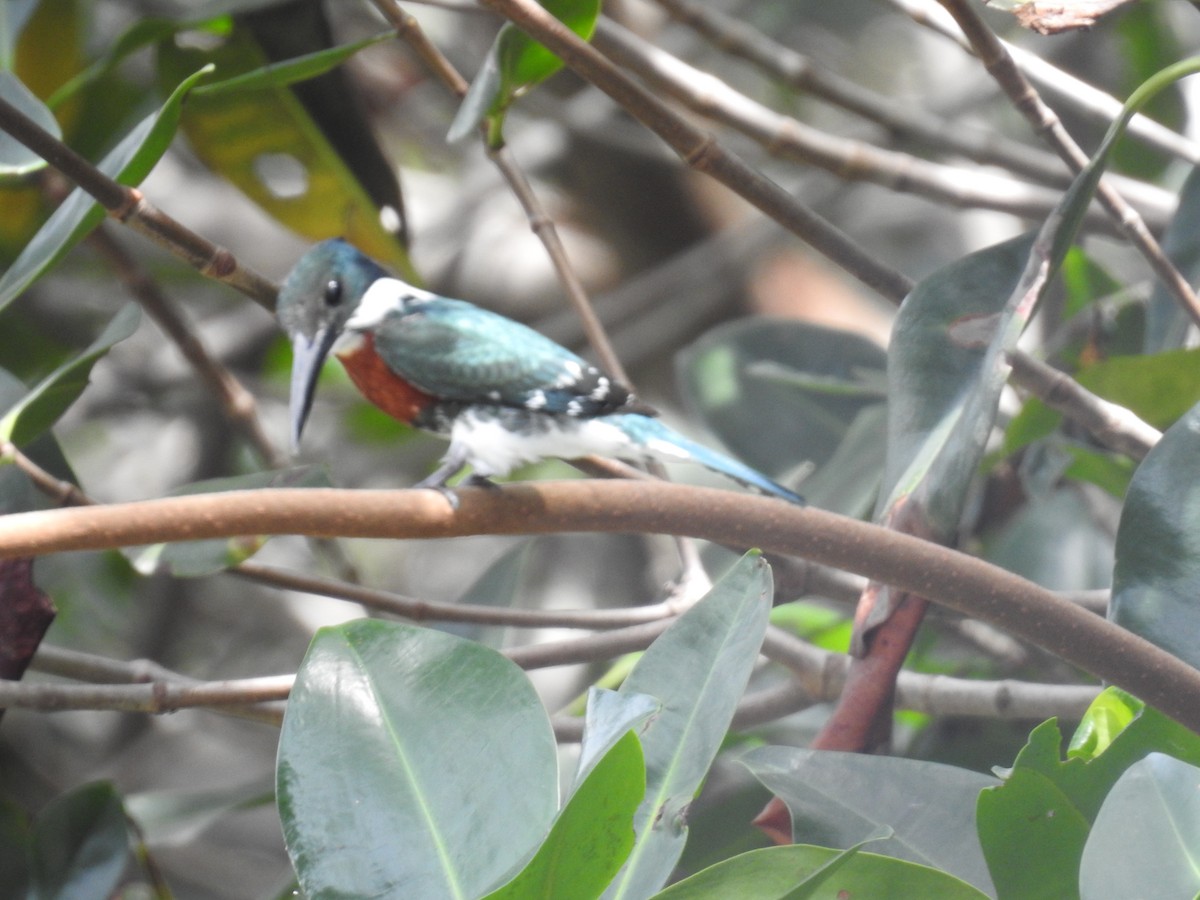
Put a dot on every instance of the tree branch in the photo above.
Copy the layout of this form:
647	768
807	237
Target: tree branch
940	574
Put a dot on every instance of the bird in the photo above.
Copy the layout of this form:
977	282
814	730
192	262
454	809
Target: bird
503	394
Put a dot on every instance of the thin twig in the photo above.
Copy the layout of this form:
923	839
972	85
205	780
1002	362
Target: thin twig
1046	123
130	207
1111	424
739	38
850	160
1069	90
971	586
236	402
700	150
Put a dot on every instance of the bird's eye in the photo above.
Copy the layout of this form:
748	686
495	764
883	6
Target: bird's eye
333	293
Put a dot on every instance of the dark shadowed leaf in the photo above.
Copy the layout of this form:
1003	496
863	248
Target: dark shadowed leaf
697	670
396	741
39	409
496	588
1166	323
80	844
1156	581
839	799
780	393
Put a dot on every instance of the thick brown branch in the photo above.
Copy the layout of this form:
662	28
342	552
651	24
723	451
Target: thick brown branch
942	575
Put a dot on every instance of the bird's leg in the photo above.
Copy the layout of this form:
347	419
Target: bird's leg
452	464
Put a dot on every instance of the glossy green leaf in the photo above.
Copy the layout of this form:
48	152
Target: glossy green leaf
398	745
780	393
592	836
255	132
39	409
1119	729
514	64
1146	838
192	559
80	844
129	162
15	157
786	873
697	670
839	799
1156	581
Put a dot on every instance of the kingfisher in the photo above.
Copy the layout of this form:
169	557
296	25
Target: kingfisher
503	394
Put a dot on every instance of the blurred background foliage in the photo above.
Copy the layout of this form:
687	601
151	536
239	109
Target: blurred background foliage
737	331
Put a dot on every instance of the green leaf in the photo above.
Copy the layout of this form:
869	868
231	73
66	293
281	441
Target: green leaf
411	763
697	669
1147	834
253	130
39	409
14	14
839	799
80	844
1156	580
1034	826
775	873
514	64
192	559
283	74
15	158
779	393
592	836
128	163
142	33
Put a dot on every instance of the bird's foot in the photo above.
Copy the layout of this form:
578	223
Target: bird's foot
481	481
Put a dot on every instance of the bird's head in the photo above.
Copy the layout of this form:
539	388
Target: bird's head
317	300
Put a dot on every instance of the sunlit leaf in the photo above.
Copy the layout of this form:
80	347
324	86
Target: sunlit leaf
128	163
251	129
697	670
514	64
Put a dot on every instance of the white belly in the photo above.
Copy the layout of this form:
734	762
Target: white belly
492	449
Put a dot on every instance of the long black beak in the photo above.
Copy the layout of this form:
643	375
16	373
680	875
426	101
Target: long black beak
308	354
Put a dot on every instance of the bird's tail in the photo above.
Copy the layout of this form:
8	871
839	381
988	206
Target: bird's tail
659	441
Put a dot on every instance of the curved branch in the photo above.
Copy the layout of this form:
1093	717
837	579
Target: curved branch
944	576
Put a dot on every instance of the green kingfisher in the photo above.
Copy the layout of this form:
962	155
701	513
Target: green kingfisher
503	394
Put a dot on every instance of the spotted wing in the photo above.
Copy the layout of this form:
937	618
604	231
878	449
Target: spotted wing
457	351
